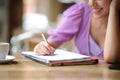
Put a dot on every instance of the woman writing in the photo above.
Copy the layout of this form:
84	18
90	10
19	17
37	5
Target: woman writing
95	27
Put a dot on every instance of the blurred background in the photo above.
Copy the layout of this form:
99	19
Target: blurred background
22	21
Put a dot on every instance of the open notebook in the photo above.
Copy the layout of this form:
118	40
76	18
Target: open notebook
61	57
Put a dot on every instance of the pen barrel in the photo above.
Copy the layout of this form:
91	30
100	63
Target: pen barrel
43	37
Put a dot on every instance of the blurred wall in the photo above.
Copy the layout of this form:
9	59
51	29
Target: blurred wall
51	8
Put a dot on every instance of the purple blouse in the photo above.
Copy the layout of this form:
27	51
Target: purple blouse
76	24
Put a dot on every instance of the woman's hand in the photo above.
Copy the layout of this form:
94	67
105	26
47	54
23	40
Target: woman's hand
44	48
115	4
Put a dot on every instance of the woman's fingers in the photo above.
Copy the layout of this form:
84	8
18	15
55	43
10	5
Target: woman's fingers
44	48
49	48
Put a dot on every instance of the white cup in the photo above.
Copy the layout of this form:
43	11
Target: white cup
4	49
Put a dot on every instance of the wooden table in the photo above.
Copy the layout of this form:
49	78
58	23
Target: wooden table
25	69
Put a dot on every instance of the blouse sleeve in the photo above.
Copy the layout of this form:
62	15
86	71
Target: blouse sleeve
69	26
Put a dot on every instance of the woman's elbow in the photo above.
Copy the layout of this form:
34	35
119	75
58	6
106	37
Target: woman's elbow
108	59
111	59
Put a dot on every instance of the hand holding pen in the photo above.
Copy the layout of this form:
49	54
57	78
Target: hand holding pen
43	48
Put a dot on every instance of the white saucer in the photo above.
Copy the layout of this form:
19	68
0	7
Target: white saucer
9	58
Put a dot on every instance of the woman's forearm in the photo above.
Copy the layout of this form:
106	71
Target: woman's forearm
112	40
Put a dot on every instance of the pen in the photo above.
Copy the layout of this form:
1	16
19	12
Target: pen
43	37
